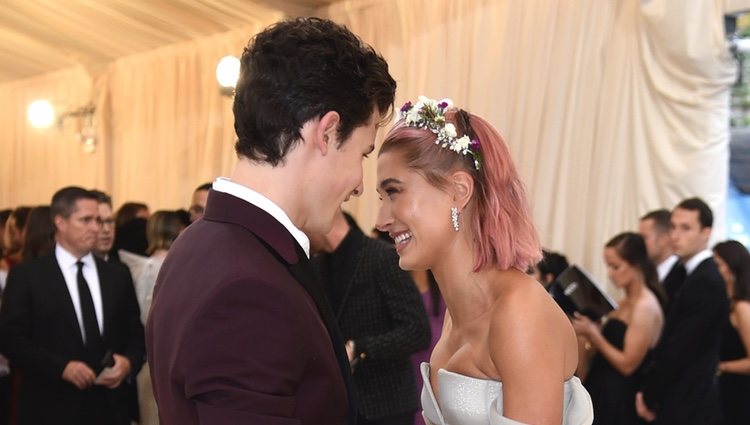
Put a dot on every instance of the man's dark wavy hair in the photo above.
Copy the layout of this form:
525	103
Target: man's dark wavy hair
298	70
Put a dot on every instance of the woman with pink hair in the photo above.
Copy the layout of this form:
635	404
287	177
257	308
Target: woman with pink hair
454	204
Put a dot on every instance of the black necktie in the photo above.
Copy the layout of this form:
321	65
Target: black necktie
681	273
90	325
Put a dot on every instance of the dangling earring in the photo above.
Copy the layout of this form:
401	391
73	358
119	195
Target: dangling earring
454	218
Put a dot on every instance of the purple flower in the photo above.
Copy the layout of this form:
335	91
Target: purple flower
406	107
443	105
474	144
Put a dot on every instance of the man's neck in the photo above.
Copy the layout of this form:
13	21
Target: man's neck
71	250
662	258
694	260
103	255
337	235
273	183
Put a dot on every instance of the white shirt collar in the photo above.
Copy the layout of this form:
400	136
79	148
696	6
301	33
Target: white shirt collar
696	259
66	259
665	266
224	185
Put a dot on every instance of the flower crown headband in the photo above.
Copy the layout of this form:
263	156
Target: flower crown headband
429	114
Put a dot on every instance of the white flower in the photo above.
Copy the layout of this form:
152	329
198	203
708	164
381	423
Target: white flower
450	130
412	117
461	145
430	103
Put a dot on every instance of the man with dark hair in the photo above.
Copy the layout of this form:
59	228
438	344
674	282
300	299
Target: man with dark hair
198	204
655	226
240	330
381	316
70	322
106	237
551	265
679	386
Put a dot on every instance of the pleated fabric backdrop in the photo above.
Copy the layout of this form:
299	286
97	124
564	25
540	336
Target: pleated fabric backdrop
610	108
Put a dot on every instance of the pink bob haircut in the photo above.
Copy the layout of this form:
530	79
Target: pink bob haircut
501	221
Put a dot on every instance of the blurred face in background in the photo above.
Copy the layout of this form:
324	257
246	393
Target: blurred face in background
620	272
726	274
198	205
12	236
106	236
658	244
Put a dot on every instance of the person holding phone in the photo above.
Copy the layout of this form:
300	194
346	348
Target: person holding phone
618	350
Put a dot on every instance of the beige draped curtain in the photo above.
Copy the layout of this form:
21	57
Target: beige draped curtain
162	125
610	108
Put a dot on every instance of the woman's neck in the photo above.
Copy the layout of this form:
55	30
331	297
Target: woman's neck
634	290
467	293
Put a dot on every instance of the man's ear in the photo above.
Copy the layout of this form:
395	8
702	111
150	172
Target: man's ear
462	187
326	131
59	222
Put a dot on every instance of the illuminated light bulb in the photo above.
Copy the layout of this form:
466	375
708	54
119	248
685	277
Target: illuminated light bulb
41	114
228	71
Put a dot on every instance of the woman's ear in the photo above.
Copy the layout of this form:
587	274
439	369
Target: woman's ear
326	131
462	187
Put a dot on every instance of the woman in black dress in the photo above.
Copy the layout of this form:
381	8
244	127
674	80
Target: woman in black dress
733	261
621	346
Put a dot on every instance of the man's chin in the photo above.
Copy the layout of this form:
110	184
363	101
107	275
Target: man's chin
103	249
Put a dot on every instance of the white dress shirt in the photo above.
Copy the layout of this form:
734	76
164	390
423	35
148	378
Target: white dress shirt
69	268
224	185
663	269
696	259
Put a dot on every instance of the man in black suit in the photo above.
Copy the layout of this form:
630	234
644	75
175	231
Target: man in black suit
64	316
381	316
679	386
655	228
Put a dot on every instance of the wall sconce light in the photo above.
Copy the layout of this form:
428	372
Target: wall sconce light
85	132
41	114
227	73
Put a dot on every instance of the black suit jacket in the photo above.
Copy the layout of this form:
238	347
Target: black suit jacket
382	312
240	331
673	282
680	383
41	334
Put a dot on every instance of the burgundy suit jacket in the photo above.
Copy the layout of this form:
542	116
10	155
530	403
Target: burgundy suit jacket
240	331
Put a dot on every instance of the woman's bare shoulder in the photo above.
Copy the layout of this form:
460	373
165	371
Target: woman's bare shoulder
526	317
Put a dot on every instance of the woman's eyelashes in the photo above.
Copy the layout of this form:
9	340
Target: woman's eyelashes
389	192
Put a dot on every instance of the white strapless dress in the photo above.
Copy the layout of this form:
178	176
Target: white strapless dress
472	401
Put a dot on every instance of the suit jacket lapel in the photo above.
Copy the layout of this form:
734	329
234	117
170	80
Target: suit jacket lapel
303	272
230	209
59	290
107	297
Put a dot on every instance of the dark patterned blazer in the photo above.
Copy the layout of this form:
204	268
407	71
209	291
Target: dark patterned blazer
382	311
680	383
40	334
240	331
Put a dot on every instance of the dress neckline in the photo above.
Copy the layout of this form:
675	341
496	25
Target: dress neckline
426	368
